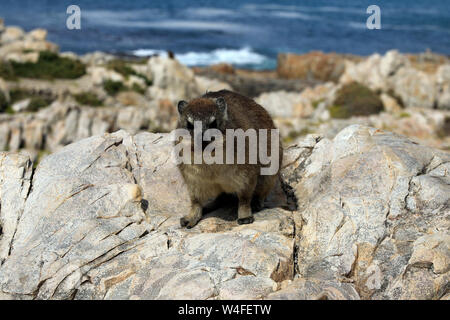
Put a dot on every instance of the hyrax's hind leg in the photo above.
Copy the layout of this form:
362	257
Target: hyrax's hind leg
244	210
199	194
263	187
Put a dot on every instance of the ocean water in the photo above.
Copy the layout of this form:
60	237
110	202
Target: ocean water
246	33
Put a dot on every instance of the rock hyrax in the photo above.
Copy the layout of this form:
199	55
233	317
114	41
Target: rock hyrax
224	110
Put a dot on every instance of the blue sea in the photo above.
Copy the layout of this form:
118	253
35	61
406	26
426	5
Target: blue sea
246	33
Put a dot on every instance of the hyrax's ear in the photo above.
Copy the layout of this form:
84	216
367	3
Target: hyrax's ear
221	105
181	106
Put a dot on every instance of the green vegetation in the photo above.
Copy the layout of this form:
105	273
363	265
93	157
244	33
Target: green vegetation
37	101
88	99
49	66
7	71
316	103
138	88
113	87
404	115
3	102
121	66
355	99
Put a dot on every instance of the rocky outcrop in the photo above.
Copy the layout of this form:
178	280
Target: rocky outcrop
394	74
443	90
62	123
365	214
253	83
311	66
15	185
171	80
282	104
19	46
100	220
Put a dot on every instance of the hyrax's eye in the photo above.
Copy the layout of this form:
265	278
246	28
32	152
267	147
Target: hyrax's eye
213	125
190	126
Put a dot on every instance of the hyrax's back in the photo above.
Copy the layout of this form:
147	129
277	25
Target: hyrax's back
243	112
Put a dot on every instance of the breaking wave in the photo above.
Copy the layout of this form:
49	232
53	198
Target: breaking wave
243	56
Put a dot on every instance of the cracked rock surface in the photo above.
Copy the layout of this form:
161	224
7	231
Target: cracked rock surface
99	219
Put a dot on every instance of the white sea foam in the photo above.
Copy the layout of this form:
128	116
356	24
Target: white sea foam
155	19
243	56
210	12
292	8
294	15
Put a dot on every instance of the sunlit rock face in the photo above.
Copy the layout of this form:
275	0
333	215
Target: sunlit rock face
99	219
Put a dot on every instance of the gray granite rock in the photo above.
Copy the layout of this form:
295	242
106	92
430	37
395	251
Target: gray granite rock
99	219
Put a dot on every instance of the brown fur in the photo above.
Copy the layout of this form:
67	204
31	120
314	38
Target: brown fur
206	182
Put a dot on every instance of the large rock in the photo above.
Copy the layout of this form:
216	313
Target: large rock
366	198
443	83
415	88
101	74
26	50
283	104
37	34
102	222
15	184
10	34
394	74
375	71
391	62
311	66
171	80
95	238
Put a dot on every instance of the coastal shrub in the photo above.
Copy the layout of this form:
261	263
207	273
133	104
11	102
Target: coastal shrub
19	94
355	99
121	66
88	98
404	115
37	101
137	88
50	66
7	71
113	87
3	102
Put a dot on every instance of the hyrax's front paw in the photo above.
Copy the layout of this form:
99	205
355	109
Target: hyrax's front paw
246	220
188	222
